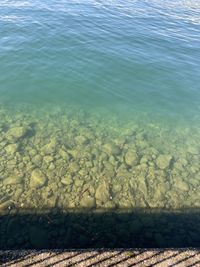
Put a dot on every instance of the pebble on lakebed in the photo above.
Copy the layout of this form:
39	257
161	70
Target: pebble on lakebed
16	133
38	179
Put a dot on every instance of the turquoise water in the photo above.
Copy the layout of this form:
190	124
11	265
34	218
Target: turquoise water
137	55
99	106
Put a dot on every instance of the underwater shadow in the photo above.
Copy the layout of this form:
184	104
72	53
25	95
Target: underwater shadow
139	228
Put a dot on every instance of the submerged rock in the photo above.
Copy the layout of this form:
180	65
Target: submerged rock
78	182
38	179
131	158
48	159
5	206
13	179
51	166
102	194
16	133
11	149
109	169
81	140
37	160
87	202
163	161
111	149
67	180
74	167
63	154
50	147
181	185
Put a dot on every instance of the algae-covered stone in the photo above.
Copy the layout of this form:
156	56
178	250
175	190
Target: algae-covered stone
67	180
125	203
50	147
111	149
180	164
16	133
116	188
181	185
163	161
81	140
131	158
48	159
38	179
102	194
18	191
109	169
78	182
87	202
5	206
74	167
51	166
13	179
37	160
11	149
110	205
144	160
63	154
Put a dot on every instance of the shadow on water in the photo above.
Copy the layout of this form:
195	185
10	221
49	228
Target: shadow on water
100	229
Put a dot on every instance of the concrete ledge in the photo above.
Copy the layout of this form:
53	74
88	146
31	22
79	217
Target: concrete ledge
101	257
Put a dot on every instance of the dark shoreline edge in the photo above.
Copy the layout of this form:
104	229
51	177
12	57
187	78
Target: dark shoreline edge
100	229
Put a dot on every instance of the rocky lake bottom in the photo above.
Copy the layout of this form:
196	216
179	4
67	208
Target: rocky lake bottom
68	161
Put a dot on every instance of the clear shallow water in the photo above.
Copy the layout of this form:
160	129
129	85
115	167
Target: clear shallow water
99	106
